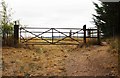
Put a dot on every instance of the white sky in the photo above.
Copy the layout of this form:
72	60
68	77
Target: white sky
53	13
110	0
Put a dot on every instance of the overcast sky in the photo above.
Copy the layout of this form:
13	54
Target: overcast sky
110	0
53	13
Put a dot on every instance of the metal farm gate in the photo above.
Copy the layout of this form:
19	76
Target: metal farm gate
56	36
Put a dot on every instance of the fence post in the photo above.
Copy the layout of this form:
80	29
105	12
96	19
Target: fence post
98	34
84	29
16	34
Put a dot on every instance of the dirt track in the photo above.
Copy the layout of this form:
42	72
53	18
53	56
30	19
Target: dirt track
51	60
91	61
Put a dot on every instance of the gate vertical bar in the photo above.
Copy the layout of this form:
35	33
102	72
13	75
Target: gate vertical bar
84	29
77	35
70	34
52	36
16	34
20	34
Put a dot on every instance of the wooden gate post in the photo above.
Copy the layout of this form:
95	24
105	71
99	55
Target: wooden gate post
98	34
84	29
16	34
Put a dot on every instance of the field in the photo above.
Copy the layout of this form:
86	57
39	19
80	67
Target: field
56	41
59	60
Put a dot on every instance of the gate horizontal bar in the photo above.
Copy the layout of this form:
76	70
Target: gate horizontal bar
48	28
44	43
51	32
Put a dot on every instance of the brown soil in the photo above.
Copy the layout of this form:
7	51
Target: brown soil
59	60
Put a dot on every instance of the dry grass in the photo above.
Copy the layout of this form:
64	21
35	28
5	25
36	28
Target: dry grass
59	60
114	45
42	60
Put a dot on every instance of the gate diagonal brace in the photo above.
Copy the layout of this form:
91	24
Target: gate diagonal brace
36	35
66	36
76	32
46	40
